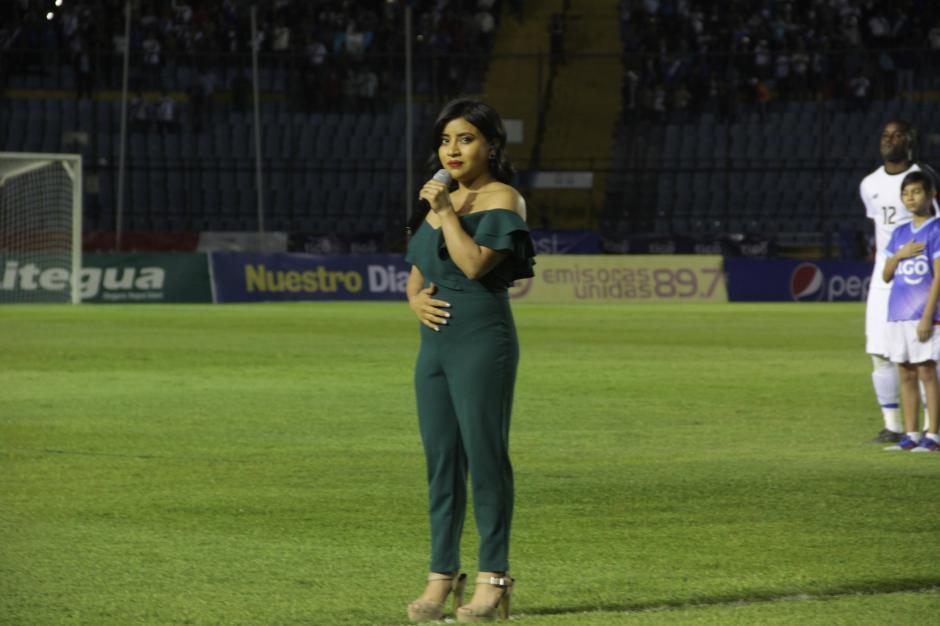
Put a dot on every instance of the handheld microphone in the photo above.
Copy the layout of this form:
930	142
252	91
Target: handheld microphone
441	176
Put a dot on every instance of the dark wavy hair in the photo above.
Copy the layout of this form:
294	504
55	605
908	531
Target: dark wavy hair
487	120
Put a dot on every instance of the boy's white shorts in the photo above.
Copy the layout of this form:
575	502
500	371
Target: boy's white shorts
904	346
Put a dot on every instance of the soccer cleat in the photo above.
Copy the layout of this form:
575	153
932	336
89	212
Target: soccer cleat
887	436
927	445
905	444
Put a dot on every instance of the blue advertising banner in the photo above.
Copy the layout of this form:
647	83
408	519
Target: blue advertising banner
244	277
566	241
786	280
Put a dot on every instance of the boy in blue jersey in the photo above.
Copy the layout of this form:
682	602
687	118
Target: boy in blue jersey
913	262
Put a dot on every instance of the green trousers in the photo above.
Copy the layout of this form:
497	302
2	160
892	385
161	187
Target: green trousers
464	382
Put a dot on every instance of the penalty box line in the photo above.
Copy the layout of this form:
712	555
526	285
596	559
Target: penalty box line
726	603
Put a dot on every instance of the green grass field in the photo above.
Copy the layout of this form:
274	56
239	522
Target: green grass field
260	464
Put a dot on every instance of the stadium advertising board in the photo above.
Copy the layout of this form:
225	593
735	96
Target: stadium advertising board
566	241
241	277
115	277
136	277
749	245
625	278
786	280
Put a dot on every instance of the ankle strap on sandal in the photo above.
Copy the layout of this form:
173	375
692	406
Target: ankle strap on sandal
496	581
434	577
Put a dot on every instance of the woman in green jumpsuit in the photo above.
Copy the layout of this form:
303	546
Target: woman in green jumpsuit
468	249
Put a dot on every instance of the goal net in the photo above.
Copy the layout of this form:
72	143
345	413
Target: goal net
40	227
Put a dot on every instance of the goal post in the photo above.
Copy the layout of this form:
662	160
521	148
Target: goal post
40	227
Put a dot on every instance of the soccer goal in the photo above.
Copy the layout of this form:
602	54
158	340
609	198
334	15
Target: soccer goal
40	227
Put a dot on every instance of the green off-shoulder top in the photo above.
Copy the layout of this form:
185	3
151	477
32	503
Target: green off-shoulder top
497	229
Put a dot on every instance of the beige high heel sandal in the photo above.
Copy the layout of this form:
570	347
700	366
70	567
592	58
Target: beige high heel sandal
476	614
425	611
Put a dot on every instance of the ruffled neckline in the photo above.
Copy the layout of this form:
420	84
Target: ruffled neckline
471	214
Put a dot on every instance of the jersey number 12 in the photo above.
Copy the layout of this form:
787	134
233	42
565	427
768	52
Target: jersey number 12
889	213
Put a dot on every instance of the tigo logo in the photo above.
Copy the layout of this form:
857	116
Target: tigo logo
806	282
914	270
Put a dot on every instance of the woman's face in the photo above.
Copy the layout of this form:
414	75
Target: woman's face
464	150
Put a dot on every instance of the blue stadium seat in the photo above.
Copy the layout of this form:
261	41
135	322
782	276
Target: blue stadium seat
356	200
154	147
85	116
671	146
171	147
212	199
336	202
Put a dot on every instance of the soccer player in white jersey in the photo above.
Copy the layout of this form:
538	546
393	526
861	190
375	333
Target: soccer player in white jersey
912	267
881	193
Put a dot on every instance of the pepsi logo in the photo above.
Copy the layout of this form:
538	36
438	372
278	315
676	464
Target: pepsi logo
806	282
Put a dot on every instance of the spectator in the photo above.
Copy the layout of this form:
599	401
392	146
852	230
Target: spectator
817	71
166	113
281	40
800	65
208	80
681	98
368	90
355	40
152	49
140	113
762	60
313	76
118	47
84	77
782	74
933	38
68	21
851	34
631	86
486	26
316	53
859	89
658	103
762	96
879	29
888	72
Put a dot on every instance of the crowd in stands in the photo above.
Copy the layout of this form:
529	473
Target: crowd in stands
337	53
682	57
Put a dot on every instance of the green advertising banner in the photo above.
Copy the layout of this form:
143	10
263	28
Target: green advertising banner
107	277
145	277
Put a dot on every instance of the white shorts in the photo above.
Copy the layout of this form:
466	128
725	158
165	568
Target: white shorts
876	321
905	347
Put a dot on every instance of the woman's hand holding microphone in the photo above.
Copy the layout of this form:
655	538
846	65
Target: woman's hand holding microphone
437	195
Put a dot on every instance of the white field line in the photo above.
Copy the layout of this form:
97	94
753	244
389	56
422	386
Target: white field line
800	597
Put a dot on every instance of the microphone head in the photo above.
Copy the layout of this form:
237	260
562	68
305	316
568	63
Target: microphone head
443	176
